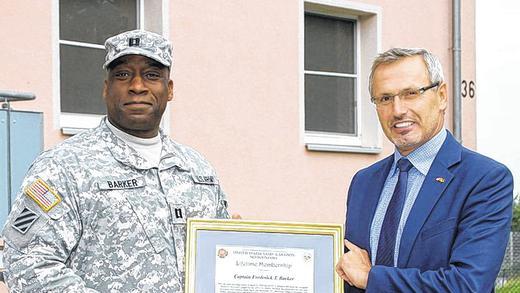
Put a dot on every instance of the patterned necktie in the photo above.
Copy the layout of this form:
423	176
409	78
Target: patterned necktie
386	246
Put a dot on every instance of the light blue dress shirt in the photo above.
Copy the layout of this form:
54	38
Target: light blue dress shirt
421	159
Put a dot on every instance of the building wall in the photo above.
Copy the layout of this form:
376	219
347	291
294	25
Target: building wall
237	98
469	106
26	52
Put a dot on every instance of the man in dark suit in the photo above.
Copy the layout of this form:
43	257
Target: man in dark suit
434	216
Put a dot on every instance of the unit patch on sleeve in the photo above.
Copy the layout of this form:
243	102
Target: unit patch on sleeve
24	221
43	195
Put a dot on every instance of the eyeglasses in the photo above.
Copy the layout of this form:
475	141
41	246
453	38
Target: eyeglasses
407	95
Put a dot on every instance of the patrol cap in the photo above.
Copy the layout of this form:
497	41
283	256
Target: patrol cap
138	42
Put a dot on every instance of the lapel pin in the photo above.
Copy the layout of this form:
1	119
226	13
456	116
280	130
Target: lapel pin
440	179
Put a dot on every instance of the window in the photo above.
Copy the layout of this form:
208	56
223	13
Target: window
83	28
339	42
330	74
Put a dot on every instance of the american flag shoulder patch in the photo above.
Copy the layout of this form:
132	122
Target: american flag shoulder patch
24	221
43	195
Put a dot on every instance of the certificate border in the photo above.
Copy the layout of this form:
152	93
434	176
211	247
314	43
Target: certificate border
194	225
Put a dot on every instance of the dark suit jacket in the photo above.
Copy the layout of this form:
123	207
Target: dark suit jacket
457	231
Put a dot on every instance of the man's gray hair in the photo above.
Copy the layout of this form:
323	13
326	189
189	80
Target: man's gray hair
395	54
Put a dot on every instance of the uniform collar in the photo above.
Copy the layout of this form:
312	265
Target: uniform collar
171	155
122	152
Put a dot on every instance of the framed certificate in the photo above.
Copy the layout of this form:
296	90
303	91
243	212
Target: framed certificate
236	256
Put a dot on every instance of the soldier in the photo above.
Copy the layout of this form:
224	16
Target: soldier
106	209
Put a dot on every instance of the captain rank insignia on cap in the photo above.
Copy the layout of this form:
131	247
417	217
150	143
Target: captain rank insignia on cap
133	42
43	195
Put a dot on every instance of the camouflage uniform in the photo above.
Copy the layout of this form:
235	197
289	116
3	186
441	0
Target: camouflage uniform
120	225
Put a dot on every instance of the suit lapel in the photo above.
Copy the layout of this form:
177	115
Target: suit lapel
429	194
371	198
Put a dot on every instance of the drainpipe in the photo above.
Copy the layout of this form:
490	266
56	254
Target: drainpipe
457	109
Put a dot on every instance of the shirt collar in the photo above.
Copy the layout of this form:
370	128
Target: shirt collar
422	157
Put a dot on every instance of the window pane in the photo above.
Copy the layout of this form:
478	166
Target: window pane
95	20
329	44
82	78
330	104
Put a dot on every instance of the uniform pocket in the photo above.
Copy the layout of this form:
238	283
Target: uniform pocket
152	227
130	214
140	206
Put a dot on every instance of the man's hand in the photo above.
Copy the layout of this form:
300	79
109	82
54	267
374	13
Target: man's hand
354	266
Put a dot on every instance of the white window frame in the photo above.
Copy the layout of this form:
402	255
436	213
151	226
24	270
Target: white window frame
368	137
73	123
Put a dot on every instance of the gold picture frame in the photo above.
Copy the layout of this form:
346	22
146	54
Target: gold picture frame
204	235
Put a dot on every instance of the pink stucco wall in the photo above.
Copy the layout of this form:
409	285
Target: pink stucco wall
237	96
26	54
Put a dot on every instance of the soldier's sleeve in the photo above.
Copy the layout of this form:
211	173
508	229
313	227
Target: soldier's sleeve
42	231
222	212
